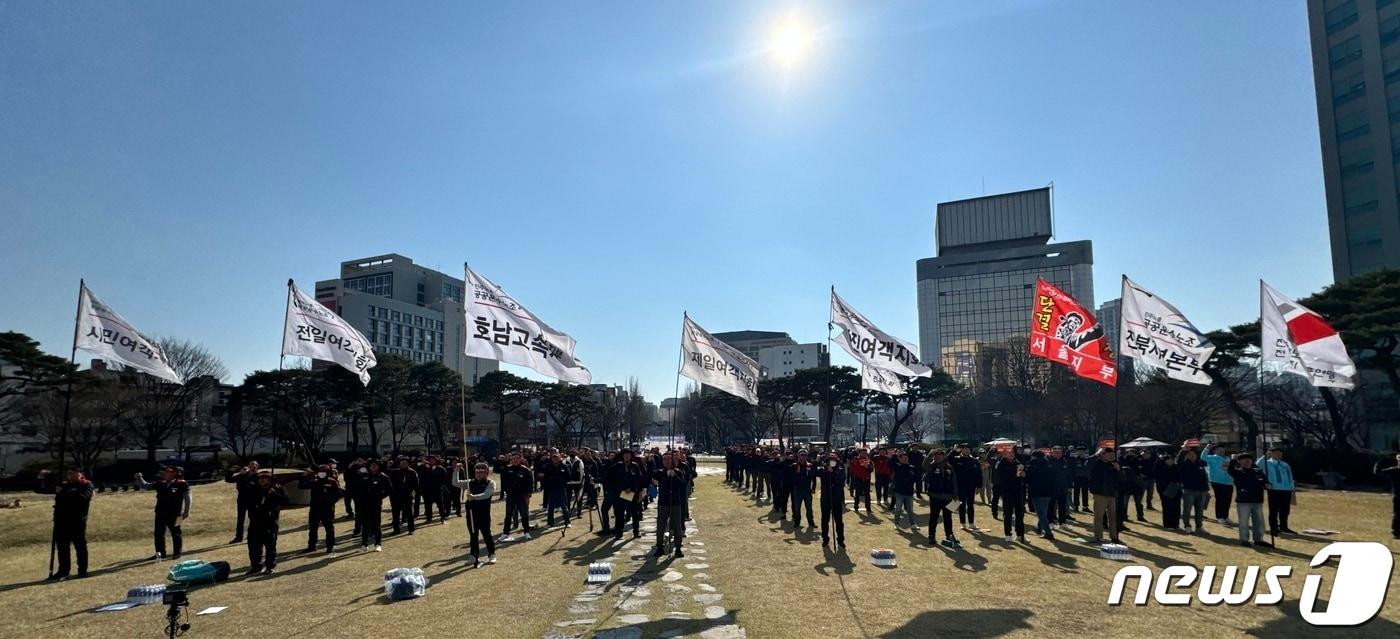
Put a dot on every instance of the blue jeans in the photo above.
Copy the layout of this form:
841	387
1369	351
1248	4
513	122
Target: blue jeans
1251	518
905	503
1042	513
1193	500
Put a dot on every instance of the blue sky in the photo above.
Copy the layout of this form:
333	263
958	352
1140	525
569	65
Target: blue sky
612	164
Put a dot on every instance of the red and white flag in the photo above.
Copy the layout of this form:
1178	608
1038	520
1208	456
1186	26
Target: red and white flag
1299	341
1063	331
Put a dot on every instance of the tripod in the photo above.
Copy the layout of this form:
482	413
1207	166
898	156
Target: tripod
592	491
173	626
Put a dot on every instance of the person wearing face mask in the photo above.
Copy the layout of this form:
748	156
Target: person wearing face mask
263	512
833	478
371	488
324	489
172	508
942	480
670	481
799	479
1250	487
478	509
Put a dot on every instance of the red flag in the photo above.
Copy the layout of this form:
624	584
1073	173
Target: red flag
1062	331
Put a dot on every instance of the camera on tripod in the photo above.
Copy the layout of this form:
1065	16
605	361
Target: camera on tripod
175	597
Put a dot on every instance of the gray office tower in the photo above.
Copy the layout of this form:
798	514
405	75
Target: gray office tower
406	310
975	297
1356	71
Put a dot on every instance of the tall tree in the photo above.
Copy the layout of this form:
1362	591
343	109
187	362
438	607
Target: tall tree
434	399
388	399
25	371
305	402
246	421
1365	309
833	389
935	389
566	405
504	393
97	417
776	398
162	408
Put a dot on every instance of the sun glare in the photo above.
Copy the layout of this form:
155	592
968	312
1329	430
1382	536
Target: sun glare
791	41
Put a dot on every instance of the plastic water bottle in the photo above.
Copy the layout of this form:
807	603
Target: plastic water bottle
882	557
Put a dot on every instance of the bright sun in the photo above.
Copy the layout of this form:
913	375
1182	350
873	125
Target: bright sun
790	41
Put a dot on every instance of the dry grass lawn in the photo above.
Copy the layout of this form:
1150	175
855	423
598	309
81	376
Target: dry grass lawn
777	583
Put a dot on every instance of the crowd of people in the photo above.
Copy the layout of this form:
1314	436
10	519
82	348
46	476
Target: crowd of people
618	487
1109	486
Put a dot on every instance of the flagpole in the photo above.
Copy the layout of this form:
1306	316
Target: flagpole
680	363
67	413
828	411
282	357
1263	422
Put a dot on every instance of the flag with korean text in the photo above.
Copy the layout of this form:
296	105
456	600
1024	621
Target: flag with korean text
876	379
1297	340
713	363
312	330
1066	333
501	328
102	332
872	346
1153	332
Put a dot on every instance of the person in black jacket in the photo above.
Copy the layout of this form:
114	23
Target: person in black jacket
405	483
968	472
263	512
629	478
1168	483
799	479
902	478
429	492
324	488
371	487
1103	485
1390	472
781	484
1195	487
554	480
172	507
1250	486
70	511
1079	482
519	483
1059	501
942	481
245	482
1011	476
833	477
478	505
671	482
1041	484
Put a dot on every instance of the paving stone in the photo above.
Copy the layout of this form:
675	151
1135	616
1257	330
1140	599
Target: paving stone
582	609
700	576
631	605
677	588
697	543
576	622
715	612
708	598
696	566
707	587
633	620
727	631
672	575
677	615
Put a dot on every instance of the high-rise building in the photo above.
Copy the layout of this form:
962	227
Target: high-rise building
406	310
1356	75
1110	316
975	296
751	342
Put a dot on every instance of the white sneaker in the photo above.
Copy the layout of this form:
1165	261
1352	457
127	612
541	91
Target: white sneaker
914	529
378	548
1054	526
525	537
1008	539
1186	529
504	539
491	559
364	548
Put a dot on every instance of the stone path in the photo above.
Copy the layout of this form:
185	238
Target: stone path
649	597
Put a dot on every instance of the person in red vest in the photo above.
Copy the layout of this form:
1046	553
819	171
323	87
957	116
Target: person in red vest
883	473
860	471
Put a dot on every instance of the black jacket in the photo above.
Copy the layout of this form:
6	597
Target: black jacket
325	492
1103	478
70	503
245	483
1249	484
405	482
371	489
671	486
517	481
904	477
800	479
1011	485
968	471
1041	480
833	482
1192	475
266	506
941	480
170	497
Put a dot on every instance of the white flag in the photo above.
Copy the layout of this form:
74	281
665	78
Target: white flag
1301	342
102	332
1152	331
312	330
504	330
712	362
872	378
872	346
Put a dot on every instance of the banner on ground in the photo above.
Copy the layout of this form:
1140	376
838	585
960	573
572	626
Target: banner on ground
875	379
872	346
1153	332
711	362
1064	332
506	331
102	332
1299	341
312	330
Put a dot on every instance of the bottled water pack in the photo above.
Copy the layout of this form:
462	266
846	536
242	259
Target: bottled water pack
882	557
599	572
1116	552
146	594
405	583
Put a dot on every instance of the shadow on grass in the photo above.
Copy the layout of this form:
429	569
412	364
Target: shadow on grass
663	627
835	561
973	624
1291	624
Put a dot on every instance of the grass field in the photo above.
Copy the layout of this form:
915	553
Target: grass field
774	582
